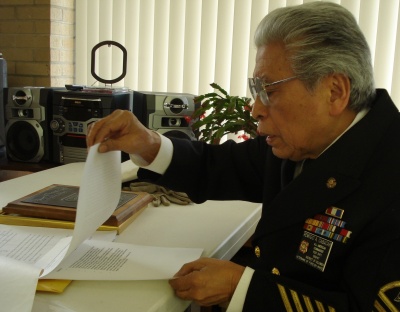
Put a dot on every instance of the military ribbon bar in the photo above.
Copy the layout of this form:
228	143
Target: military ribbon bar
335	212
330	220
327	230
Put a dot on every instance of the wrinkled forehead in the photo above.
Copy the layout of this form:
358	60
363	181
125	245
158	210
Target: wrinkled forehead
272	62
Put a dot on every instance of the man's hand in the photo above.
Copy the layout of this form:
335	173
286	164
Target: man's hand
207	281
121	130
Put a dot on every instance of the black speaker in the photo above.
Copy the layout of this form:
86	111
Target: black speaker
28	136
3	86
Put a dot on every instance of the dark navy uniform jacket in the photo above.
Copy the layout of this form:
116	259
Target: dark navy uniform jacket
328	240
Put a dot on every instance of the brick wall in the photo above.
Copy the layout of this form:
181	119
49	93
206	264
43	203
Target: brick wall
37	41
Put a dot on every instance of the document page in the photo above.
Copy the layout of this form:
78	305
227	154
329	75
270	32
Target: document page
99	260
20	249
29	244
99	194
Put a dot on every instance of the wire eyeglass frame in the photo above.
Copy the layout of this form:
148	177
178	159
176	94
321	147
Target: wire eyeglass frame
259	88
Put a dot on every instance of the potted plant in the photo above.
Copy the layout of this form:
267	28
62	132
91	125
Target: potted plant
220	114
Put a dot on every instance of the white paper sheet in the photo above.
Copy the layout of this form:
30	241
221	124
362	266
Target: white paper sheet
99	194
18	285
29	244
99	260
20	248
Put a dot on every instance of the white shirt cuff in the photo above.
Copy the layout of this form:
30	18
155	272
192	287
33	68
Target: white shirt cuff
162	160
239	296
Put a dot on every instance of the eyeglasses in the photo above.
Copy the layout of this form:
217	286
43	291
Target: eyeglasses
259	88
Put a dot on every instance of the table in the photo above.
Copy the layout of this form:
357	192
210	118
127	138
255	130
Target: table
220	228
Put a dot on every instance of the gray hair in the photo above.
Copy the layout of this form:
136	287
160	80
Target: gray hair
322	38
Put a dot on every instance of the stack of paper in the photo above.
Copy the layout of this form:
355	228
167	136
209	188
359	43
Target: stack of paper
27	254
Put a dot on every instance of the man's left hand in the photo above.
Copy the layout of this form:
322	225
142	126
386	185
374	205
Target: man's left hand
207	281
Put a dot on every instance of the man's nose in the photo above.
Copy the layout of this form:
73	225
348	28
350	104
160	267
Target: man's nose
259	110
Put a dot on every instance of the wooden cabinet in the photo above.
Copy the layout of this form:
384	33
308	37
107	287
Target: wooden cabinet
14	169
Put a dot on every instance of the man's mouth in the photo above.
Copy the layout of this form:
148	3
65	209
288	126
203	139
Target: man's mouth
270	139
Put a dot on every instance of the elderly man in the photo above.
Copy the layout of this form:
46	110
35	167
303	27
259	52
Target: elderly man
326	167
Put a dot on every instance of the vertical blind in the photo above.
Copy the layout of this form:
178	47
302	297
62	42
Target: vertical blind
184	45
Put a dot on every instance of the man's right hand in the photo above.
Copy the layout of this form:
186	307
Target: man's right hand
122	131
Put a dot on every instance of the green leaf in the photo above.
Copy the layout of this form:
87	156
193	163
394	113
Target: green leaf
219	88
211	95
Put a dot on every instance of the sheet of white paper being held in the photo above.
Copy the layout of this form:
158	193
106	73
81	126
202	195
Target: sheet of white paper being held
99	194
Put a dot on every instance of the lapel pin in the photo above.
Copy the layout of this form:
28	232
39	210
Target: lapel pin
331	183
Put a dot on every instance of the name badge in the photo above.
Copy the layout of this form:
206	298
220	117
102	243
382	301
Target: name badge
314	250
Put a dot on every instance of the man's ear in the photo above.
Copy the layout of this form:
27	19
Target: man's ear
339	93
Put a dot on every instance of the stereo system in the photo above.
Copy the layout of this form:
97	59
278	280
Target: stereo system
74	111
50	124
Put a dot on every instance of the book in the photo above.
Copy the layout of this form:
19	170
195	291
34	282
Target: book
58	204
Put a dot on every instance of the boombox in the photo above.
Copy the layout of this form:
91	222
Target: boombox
28	137
166	113
74	110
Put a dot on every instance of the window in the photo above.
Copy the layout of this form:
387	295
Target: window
184	45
